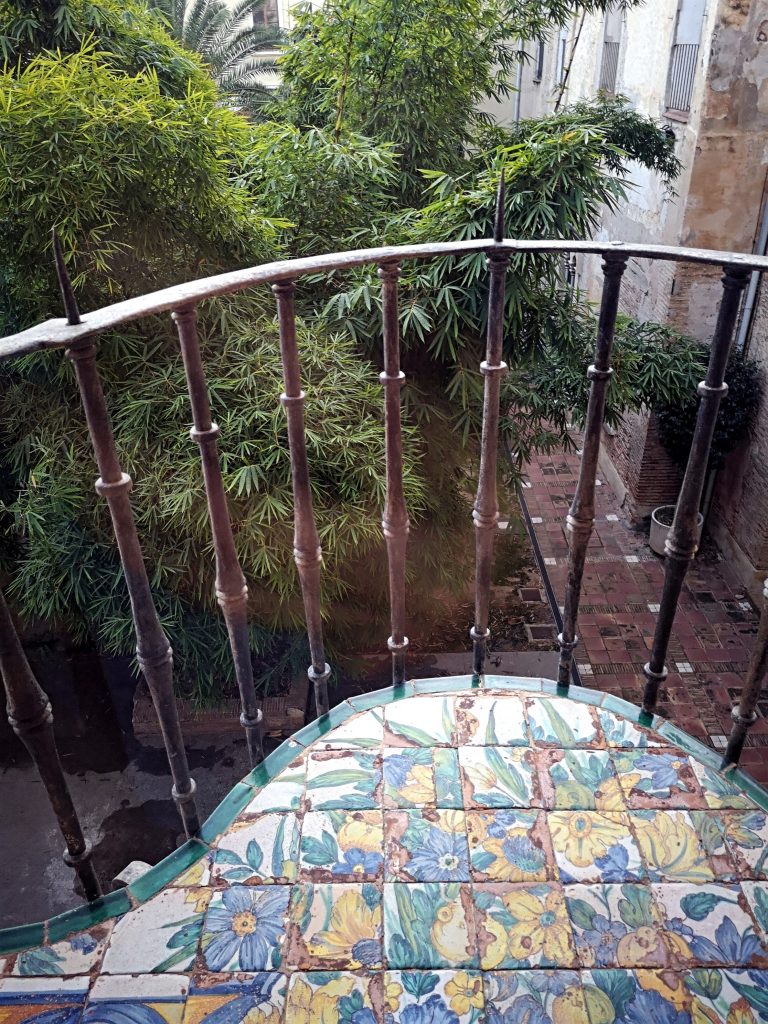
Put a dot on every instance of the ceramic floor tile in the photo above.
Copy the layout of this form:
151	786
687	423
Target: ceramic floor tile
420	776
160	935
710	828
521	926
658	778
426	846
579	780
331	997
562	723
42	1000
493	721
264	849
283	793
670	847
245	928
709	924
78	954
746	837
594	846
362	731
341	846
252	998
510	845
343	779
543	997
756	894
455	997
728	996
617	926
636	997
720	791
145	998
335	927
499	777
619	732
420	722
428	924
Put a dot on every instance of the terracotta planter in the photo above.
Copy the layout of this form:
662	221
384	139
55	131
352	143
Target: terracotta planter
660	531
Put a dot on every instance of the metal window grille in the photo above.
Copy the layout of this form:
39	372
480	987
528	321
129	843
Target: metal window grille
538	68
682	72
610	66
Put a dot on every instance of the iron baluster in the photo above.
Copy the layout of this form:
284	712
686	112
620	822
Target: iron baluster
395	521
231	589
153	652
30	717
306	542
744	714
581	515
485	515
682	541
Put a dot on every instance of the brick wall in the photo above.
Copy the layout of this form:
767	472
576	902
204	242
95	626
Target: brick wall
647	472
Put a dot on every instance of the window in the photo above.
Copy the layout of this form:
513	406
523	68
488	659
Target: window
609	66
684	58
538	63
562	44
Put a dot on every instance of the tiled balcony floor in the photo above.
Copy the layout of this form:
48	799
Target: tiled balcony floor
443	855
714	629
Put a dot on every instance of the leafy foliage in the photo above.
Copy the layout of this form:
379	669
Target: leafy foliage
677	419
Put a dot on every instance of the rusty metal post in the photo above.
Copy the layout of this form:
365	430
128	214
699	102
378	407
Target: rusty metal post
231	589
581	515
153	652
485	515
306	542
30	717
744	714
682	541
395	520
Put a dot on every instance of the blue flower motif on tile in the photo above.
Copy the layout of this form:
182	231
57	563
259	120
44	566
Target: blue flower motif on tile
420	776
244	927
426	846
617	926
341	845
619	732
657	778
636	997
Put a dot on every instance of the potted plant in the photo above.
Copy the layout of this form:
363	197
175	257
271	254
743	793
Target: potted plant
676	424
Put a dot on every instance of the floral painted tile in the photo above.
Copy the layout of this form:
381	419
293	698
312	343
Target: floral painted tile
341	846
455	997
543	997
419	776
657	778
42	1000
510	845
730	996
79	954
421	722
198	874
331	997
756	894
619	732
636	997
264	849
594	846
255	998
160	935
617	926
484	720
499	777
362	731
427	845
283	793
710	829
709	924
719	790
562	723
142	999
521	926
429	924
579	780
244	928
343	779
746	837
670	847
336	927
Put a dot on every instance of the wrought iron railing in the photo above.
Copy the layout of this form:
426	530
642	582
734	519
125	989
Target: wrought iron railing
609	67
682	72
29	711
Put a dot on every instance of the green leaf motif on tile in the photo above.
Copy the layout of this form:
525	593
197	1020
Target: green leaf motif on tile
277	849
507	774
412	733
339	777
619	986
560	728
42	961
319	851
490	730
761	908
418	983
228	857
254	854
371	896
581	913
238	874
756	997
635	908
705	982
446	720
558	773
698	905
482	860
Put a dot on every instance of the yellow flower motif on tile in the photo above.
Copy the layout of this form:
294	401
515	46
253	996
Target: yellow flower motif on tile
609	795
569	1007
701	1014
482	778
670	845
315	1006
465	992
419	787
392	993
270	1015
583	837
644	945
542	926
449	935
503	869
352	922
362	833
668	984
741	1013
200	898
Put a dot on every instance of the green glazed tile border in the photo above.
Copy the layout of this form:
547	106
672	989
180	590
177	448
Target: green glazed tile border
112	905
117	903
314	730
167	869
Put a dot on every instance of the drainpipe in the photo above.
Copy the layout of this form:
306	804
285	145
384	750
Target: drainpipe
748	312
518	89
